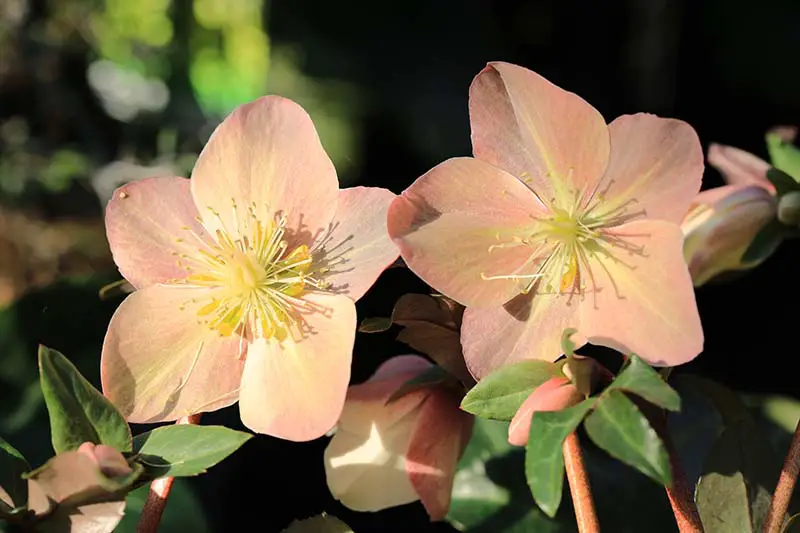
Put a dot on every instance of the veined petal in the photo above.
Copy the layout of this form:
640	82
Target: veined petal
440	436
357	248
295	389
656	167
554	394
739	167
527	327
266	155
457	224
531	128
722	226
149	224
160	363
641	298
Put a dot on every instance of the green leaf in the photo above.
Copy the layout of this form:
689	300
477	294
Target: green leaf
544	459
641	379
499	395
733	493
323	523
433	376
12	466
184	449
784	155
489	490
78	412
783	182
567	346
375	325
765	242
618	427
184	511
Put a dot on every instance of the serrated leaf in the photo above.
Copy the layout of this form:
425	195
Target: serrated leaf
375	325
323	523
784	155
184	449
435	375
499	395
78	412
765	242
544	458
641	379
12	466
620	428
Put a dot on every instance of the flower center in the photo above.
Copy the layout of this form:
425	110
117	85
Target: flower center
255	279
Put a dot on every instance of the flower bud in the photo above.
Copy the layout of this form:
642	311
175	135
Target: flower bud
789	208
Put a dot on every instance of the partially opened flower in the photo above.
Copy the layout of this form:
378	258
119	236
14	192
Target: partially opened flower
554	394
559	221
247	276
388	454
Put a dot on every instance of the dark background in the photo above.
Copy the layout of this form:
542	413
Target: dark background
387	84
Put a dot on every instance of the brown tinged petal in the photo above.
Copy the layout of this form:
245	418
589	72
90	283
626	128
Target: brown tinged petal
552	395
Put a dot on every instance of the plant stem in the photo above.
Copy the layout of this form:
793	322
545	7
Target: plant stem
579	486
785	488
159	492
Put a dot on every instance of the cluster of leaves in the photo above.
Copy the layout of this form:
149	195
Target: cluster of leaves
72	492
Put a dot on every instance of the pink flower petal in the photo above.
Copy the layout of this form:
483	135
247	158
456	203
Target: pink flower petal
440	436
358	247
739	167
148	223
160	363
528	327
529	127
554	394
722	226
400	364
656	166
266	155
449	222
295	389
643	301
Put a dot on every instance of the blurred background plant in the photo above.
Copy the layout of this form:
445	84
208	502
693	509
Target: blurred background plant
95	93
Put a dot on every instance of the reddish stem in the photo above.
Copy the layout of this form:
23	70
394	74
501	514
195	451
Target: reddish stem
579	486
159	492
785	488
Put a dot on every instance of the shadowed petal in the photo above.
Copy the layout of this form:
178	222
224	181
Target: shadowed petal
358	247
656	166
528	327
266	155
642	301
295	389
449	222
739	167
148	223
552	395
160	363
529	127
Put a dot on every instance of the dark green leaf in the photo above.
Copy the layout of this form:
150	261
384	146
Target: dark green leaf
375	325
499	395
641	379
765	242
12	466
183	513
185	449
323	523
618	427
544	459
433	376
78	412
784	155
783	182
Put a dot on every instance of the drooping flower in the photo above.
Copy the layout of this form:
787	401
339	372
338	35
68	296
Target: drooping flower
246	278
388	454
558	221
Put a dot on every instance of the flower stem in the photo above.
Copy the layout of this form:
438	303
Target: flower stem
579	486
785	488
159	492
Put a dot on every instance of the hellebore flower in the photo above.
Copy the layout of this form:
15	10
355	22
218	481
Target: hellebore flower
558	221
388	454
554	394
722	222
246	278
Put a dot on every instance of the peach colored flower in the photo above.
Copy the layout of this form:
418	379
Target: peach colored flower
246	278
723	221
558	221
383	455
554	394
